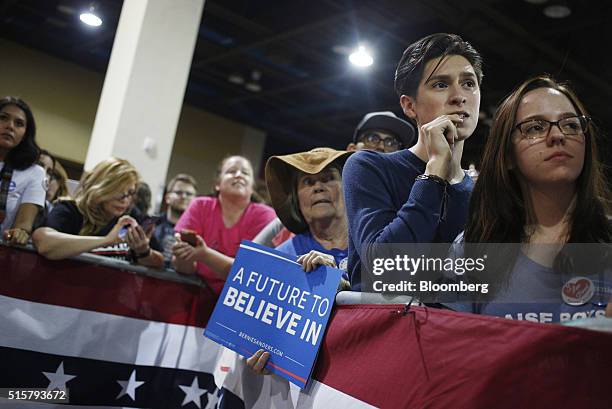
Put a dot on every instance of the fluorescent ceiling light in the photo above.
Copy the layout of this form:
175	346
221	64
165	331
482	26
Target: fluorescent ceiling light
90	19
253	86
557	11
235	79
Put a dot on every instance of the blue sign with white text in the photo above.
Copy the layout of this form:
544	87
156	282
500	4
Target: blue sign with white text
270	303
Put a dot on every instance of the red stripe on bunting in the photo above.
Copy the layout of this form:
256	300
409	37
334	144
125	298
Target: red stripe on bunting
70	283
432	358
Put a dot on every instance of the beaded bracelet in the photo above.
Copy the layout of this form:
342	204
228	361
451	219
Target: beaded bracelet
433	178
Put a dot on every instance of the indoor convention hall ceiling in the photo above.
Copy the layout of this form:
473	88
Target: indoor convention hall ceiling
282	66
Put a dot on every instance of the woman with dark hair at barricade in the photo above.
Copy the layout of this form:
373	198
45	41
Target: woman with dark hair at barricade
22	188
96	219
541	185
216	225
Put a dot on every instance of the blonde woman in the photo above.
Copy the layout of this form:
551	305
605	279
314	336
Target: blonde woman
96	219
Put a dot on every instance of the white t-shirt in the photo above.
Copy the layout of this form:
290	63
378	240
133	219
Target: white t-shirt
27	186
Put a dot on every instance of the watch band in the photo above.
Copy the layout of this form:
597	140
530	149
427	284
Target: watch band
144	254
433	178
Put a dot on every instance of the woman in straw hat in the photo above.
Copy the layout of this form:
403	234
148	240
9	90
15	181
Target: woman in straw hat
306	192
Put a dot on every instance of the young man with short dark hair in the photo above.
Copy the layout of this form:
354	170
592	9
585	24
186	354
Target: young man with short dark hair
421	194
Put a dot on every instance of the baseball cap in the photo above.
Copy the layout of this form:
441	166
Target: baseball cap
388	121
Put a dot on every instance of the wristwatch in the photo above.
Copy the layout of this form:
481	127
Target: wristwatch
144	254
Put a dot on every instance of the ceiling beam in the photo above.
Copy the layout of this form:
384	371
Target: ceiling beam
556	57
6	5
291	41
274	38
299	85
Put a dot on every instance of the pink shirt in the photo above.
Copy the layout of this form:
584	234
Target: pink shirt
205	218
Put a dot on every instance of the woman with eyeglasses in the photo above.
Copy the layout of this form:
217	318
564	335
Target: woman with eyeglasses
541	187
97	220
212	227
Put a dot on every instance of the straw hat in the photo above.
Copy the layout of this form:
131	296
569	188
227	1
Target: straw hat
280	181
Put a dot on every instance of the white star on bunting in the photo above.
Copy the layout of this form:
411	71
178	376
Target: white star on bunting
193	393
58	379
213	399
129	387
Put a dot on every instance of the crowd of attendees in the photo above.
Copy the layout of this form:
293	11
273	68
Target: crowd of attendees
540	181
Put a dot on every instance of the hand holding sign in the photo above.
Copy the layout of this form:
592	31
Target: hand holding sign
269	304
309	262
314	259
257	362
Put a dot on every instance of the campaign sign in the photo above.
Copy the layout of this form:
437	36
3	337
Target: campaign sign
270	303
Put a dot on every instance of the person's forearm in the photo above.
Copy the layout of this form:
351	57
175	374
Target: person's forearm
438	166
55	245
456	176
184	266
218	262
25	216
455	172
155	259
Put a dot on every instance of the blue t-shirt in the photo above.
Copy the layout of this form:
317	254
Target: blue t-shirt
385	204
304	243
534	293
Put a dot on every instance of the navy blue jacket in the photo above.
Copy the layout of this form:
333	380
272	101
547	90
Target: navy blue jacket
385	204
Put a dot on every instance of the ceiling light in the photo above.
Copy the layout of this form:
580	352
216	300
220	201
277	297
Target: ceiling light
235	79
557	11
90	18
253	86
361	57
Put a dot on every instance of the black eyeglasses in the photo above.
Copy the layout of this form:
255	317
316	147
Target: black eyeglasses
574	126
373	139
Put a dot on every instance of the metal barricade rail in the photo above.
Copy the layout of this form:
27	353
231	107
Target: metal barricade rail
164	274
